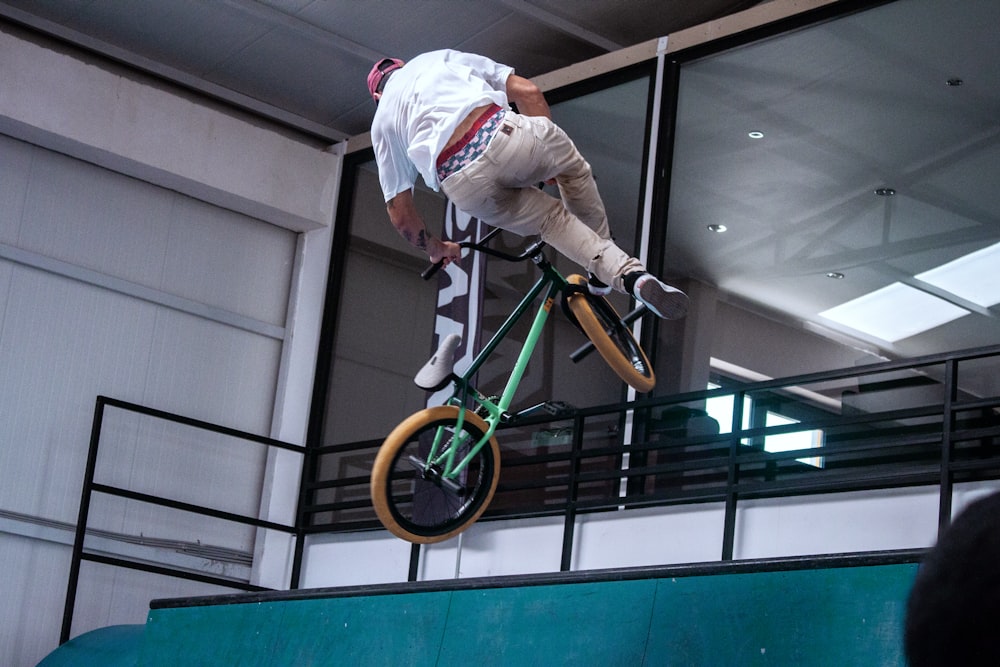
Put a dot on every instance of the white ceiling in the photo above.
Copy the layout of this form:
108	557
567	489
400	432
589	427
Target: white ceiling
846	107
305	61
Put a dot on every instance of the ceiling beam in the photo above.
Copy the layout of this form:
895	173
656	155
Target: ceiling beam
562	25
277	17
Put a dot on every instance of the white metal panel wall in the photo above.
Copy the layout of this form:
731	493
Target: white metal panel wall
109	285
773	528
32	568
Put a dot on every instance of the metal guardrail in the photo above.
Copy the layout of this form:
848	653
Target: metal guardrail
924	421
187	558
928	421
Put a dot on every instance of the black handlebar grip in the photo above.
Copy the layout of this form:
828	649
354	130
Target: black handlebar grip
429	272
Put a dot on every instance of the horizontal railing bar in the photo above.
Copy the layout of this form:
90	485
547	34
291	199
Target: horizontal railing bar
200	424
189	507
170	572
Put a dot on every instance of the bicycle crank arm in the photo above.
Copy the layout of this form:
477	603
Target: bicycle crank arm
553	408
638	312
433	475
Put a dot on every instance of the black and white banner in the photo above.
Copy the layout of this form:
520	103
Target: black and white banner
460	295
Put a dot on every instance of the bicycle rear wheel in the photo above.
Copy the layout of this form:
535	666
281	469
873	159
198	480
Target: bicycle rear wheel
411	499
613	340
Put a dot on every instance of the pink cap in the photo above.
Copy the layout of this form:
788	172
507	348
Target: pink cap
379	72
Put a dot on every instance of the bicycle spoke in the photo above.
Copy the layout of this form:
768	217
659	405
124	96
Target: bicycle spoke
415	497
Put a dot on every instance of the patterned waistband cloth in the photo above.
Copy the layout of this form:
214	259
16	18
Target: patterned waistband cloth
471	145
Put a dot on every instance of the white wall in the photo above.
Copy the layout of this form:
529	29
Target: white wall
800	526
148	252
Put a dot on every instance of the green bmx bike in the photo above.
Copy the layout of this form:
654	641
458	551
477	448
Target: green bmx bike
437	471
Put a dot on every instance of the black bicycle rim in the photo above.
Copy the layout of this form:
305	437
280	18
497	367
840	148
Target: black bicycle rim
425	507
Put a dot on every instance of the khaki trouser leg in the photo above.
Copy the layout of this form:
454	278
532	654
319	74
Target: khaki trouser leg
500	189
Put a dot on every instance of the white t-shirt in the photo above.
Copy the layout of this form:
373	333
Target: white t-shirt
421	105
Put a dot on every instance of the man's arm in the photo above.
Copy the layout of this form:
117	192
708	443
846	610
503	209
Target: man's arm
404	217
527	96
530	101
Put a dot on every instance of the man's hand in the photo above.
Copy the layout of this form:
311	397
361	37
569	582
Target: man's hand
445	252
404	217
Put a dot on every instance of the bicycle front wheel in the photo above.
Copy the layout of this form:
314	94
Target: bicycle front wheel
613	340
411	498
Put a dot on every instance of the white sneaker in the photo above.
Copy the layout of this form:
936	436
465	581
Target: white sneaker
662	300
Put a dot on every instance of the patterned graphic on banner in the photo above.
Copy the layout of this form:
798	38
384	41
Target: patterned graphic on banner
460	295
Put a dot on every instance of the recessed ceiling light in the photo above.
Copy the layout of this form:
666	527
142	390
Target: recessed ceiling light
718	229
836	275
885	192
755	135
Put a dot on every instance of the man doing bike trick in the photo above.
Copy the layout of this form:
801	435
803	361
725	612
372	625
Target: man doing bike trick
445	116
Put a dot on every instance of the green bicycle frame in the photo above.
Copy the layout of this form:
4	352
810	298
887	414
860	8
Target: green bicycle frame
551	283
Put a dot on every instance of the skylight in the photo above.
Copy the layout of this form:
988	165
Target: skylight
974	277
894	312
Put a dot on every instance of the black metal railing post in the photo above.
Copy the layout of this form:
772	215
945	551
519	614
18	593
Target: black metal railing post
732	477
947	429
81	522
569	520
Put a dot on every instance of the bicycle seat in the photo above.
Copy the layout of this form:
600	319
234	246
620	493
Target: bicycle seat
437	372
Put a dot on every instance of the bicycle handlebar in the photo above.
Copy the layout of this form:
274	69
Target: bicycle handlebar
480	246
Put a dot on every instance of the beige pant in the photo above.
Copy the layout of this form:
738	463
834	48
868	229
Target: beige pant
500	188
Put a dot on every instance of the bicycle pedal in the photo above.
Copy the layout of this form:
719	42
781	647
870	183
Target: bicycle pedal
557	407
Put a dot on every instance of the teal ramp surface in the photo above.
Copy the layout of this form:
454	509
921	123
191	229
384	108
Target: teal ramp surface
831	616
113	646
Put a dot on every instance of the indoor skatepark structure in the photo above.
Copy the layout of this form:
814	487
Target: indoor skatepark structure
851	609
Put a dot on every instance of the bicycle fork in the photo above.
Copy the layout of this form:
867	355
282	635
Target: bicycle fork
440	467
433	474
